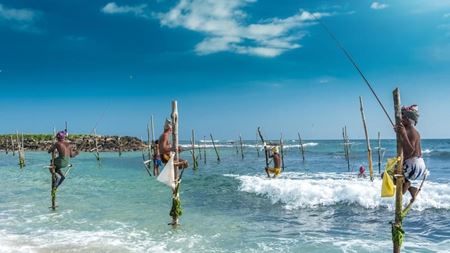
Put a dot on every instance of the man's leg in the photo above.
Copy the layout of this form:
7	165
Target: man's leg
267	171
406	186
413	191
61	177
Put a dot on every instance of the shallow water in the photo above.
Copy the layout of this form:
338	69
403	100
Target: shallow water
114	206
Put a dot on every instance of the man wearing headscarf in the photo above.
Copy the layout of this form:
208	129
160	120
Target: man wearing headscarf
413	165
65	152
276	170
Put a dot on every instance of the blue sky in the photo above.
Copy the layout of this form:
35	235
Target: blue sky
232	65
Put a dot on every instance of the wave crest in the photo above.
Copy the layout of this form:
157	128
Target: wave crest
295	190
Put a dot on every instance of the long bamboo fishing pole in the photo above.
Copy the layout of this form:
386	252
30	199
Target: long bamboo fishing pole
350	58
214	145
266	152
369	149
302	148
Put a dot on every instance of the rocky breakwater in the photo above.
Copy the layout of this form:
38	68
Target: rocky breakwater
81	142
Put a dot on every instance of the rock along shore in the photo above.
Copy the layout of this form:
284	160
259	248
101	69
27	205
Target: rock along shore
86	143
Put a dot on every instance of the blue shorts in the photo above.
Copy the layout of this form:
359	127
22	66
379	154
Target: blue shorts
158	163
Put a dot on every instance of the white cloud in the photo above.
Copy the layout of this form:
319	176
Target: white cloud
113	8
19	19
378	6
223	24
20	15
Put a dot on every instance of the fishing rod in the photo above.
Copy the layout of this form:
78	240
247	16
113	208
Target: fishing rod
265	147
350	58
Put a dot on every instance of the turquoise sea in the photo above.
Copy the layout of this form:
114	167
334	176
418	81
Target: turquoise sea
317	206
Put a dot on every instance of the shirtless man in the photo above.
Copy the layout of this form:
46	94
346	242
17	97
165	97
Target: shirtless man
276	170
165	146
65	152
413	165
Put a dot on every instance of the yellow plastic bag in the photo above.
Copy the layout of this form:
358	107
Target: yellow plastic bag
388	187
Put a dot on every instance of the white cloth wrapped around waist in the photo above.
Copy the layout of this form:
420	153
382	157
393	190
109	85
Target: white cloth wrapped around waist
413	168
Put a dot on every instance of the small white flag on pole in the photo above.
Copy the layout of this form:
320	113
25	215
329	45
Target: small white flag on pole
167	176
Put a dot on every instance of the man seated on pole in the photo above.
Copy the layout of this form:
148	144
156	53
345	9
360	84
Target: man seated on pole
276	170
65	152
413	165
165	147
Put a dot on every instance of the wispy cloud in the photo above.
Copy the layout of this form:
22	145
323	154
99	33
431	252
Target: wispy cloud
378	6
113	8
223	24
18	19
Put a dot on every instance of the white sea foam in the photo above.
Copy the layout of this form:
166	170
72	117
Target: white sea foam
427	151
298	190
81	241
237	144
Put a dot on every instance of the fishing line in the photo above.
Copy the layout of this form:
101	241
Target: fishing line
350	58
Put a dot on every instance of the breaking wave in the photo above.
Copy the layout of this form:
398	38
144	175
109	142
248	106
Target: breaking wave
296	190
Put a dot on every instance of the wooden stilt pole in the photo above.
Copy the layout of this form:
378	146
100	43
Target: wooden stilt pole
302	148
379	153
366	132
6	144
175	211
242	147
21	151
119	143
53	175
214	145
152	128
236	147
256	144
397	226
150	145
199	150
13	146
282	151
347	141
194	159
97	154
204	149
345	147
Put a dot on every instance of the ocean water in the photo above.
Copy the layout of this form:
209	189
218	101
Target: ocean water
316	206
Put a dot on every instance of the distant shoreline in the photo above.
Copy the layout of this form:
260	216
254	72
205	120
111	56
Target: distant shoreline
83	142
